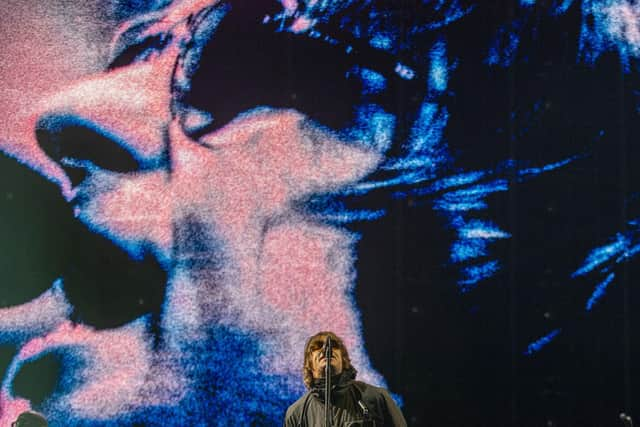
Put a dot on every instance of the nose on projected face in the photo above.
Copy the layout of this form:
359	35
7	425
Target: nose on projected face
80	146
116	121
106	131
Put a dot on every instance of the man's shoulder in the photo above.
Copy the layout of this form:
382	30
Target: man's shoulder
368	388
373	393
381	400
295	409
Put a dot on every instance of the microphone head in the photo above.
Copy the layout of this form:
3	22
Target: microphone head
328	353
328	346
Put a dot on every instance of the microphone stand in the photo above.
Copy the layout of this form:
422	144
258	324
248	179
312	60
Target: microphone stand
327	382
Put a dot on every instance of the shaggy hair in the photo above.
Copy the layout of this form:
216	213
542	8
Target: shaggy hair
314	343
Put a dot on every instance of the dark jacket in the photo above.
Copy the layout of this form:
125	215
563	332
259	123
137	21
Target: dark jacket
308	411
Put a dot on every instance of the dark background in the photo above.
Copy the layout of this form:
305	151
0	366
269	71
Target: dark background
459	359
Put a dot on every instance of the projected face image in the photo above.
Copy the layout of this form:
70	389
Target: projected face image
214	163
183	150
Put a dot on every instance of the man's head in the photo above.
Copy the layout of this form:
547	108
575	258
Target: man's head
30	419
314	357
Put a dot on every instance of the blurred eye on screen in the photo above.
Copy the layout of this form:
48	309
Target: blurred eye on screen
241	69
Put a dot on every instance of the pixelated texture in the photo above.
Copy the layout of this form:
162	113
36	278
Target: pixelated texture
234	169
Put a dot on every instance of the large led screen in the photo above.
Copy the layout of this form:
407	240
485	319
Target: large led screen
191	188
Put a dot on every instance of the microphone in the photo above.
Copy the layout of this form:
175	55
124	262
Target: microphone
328	352
327	382
626	420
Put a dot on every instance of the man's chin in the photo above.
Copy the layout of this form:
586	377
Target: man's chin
334	371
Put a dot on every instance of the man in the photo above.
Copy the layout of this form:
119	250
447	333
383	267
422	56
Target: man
353	403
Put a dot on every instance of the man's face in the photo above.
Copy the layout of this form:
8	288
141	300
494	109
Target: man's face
319	360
